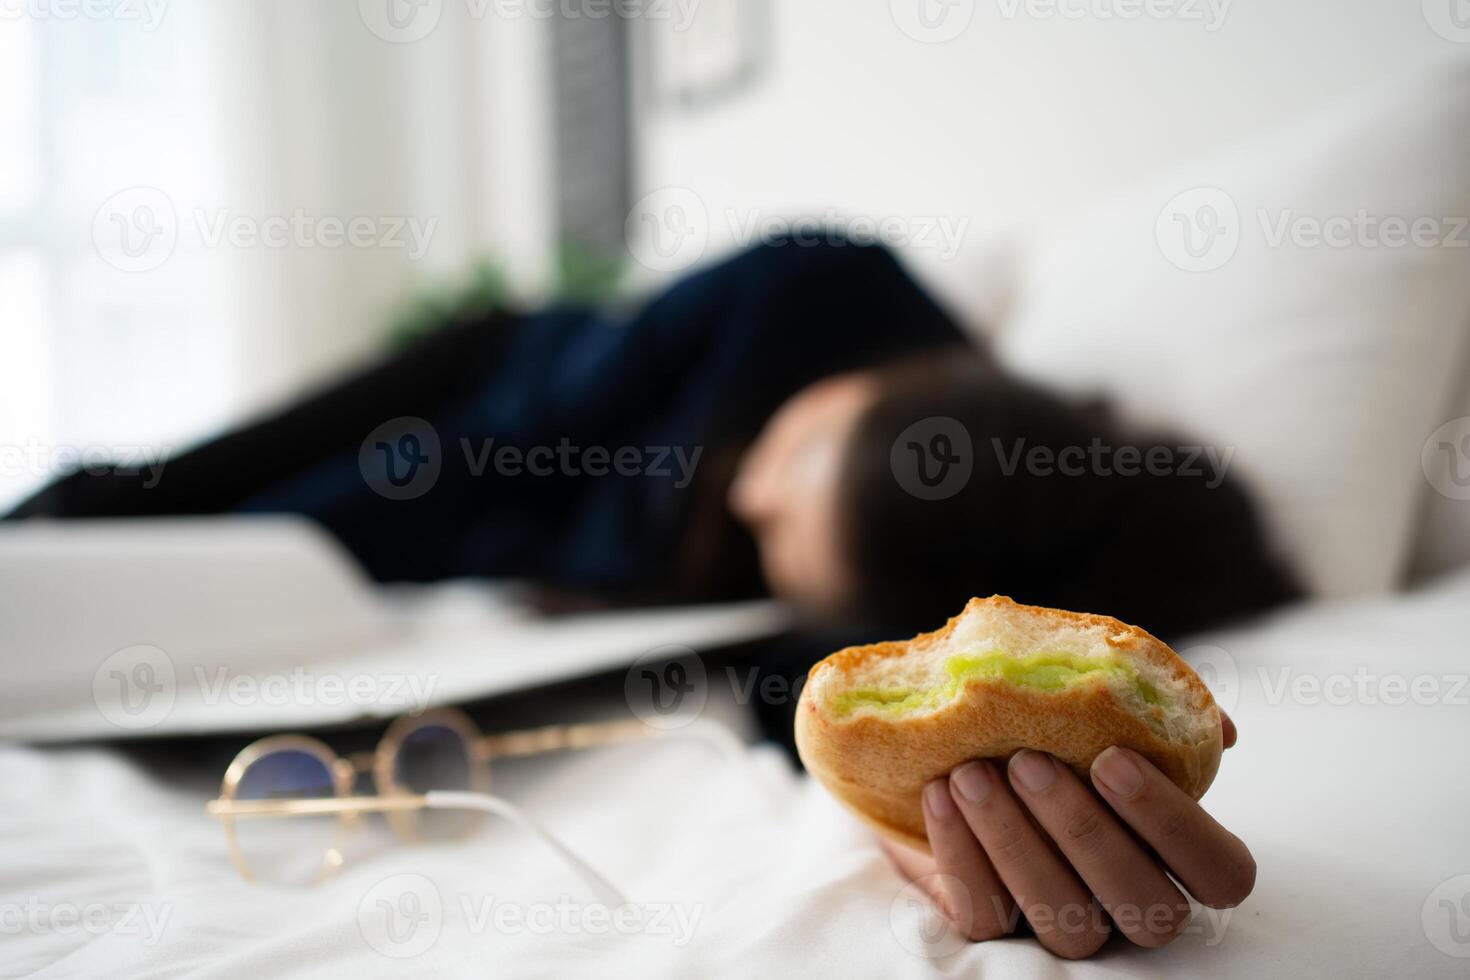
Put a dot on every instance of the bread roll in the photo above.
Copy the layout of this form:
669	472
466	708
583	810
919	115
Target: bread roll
875	723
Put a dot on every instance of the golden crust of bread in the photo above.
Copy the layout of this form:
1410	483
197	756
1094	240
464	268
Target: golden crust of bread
878	765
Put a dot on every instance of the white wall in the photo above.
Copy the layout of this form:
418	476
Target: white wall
1019	120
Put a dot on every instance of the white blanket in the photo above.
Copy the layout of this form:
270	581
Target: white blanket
1354	798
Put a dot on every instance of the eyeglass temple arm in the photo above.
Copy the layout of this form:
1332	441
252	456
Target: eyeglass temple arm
557	738
605	891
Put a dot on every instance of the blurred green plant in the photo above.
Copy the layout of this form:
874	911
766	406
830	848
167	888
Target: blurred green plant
484	289
587	275
583	275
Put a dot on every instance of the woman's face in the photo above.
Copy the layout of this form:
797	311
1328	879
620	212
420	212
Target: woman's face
786	491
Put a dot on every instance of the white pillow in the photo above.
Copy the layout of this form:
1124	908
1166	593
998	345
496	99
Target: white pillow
1323	367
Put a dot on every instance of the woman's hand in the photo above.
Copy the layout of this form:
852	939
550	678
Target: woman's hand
1076	863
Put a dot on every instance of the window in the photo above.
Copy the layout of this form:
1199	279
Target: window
100	359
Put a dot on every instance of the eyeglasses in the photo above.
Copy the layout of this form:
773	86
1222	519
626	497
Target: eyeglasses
432	776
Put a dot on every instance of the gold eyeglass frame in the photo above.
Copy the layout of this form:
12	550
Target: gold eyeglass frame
396	802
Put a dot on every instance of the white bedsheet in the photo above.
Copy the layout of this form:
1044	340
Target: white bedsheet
1358	813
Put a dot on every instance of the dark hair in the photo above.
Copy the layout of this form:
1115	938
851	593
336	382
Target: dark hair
1170	552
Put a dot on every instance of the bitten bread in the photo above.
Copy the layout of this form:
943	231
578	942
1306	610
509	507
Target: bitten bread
875	723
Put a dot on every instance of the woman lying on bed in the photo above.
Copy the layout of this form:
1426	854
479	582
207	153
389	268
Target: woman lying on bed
801	420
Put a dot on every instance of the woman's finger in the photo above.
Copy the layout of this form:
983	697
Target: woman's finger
1144	904
1062	912
1227	730
973	896
912	864
1209	860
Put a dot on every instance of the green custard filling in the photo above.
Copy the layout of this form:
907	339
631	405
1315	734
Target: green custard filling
1038	671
